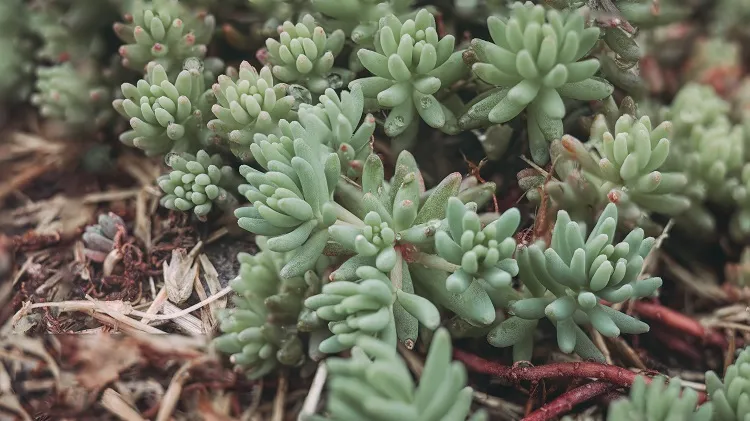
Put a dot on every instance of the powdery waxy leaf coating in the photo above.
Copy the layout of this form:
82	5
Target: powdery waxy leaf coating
365	308
535	62
410	65
359	18
74	96
568	280
375	383
197	182
659	401
305	54
260	332
730	397
335	120
628	169
481	252
99	239
248	103
166	114
292	202
163	31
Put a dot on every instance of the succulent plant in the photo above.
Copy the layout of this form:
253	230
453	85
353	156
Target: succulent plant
99	239
481	252
359	18
163	31
716	62
335	120
292	203
411	64
70	31
696	105
166	114
197	182
276	12
568	280
305	54
365	308
729	397
626	170
17	66
534	62
260	332
565	187
375	384
389	230
659	401
248	102
75	96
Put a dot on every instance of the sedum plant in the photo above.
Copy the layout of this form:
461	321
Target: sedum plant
166	114
248	103
410	65
535	62
359	18
481	252
375	383
163	31
292	202
305	54
366	308
659	400
730	398
626	167
75	96
198	182
567	281
17	66
260	333
336	121
99	239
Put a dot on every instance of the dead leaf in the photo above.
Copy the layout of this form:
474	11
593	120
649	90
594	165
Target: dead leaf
179	276
103	357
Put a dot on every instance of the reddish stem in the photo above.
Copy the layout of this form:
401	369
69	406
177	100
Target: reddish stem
678	322
516	373
568	400
578	370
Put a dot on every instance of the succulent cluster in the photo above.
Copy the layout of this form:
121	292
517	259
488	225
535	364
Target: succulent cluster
567	281
411	64
375	383
361	251
198	182
305	54
730	398
248	102
166	114
75	96
99	239
165	32
659	400
533	63
261	331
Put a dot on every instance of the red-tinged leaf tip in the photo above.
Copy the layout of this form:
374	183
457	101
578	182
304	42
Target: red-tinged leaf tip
614	196
122	51
567	143
158	47
189	38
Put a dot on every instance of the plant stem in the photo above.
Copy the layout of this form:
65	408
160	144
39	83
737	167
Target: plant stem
568	400
344	215
581	370
434	262
678	322
516	373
